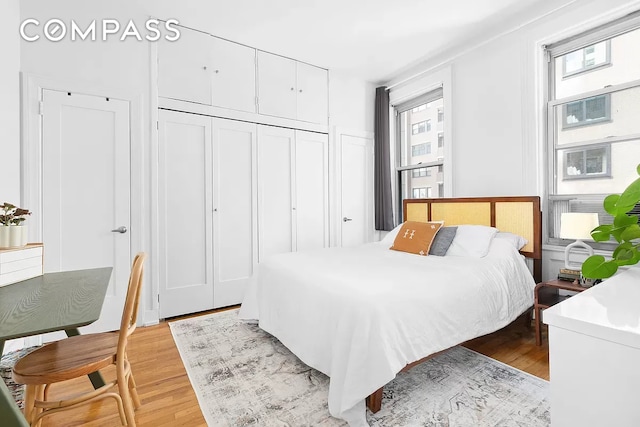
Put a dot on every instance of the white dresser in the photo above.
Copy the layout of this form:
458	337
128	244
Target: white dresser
594	355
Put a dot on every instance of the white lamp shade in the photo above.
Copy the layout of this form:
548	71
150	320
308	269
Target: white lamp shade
577	225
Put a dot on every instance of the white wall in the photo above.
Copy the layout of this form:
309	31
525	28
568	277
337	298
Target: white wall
10	102
497	138
351	102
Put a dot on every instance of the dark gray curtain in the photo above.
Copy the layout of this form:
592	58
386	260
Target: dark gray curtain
383	202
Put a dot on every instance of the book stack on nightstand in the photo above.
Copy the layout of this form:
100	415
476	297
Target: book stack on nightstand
569	275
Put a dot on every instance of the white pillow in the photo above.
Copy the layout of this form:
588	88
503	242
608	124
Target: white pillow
472	241
389	238
517	241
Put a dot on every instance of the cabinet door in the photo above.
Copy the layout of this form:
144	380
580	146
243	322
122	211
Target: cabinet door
275	183
184	67
276	85
233	78
312	190
235	209
313	94
184	213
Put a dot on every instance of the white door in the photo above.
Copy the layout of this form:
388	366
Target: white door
235	206
85	191
276	85
233	78
185	213
185	68
313	94
356	185
312	192
275	185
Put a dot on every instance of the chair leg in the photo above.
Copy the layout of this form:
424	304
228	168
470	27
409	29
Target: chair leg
133	391
123	389
40	396
29	401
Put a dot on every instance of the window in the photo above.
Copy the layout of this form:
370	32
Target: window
593	131
419	108
421	127
421	149
422	192
586	111
587	163
587	58
419	171
440	115
440	140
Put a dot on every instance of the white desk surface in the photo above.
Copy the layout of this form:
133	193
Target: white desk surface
609	310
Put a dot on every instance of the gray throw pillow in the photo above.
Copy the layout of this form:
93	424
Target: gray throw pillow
442	241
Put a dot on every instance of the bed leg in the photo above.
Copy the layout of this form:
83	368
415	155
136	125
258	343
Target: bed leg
374	400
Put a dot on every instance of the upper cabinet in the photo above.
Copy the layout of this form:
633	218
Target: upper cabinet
184	67
211	71
207	70
292	89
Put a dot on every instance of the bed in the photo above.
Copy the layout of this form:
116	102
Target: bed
361	315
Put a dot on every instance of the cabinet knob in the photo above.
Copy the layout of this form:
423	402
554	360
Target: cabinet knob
292	88
217	71
300	91
204	68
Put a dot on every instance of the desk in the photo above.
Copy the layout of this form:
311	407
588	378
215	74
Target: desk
53	302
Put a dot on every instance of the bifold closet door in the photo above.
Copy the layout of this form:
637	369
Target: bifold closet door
275	189
312	190
185	213
234	209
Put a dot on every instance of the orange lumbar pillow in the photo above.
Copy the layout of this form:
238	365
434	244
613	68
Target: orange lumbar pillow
416	237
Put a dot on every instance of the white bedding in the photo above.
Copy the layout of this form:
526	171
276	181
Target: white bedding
361	314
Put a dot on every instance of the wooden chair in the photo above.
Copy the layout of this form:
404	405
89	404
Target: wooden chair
80	355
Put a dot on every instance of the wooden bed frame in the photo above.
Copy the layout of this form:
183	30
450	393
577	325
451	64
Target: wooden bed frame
520	215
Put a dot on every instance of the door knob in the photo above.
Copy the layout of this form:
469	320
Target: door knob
122	229
345	219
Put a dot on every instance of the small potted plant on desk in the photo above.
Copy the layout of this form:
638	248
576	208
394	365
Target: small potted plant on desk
625	230
12	233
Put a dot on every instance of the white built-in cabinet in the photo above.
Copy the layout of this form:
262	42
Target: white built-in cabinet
207	70
207	211
292	89
293	202
203	69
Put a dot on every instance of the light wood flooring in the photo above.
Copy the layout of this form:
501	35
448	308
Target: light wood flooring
168	399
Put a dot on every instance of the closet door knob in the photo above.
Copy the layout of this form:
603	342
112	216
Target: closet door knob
292	88
204	68
217	71
121	230
300	91
345	219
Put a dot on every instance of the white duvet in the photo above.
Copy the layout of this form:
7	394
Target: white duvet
359	315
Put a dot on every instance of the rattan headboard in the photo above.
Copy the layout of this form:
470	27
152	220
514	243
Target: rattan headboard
520	215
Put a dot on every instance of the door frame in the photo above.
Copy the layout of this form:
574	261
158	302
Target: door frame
32	87
335	174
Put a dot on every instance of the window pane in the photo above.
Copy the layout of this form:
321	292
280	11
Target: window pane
421	182
599	169
417	131
599	117
594	67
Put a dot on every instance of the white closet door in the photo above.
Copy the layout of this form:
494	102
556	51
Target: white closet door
235	207
185	214
233	78
184	67
313	94
276	85
356	188
312	192
275	183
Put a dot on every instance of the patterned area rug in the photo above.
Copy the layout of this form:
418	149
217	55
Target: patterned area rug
243	376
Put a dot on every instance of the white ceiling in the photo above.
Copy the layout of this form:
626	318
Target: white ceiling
371	39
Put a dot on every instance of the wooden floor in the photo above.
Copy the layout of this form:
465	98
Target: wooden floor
168	399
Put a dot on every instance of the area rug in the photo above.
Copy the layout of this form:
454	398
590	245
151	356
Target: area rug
243	376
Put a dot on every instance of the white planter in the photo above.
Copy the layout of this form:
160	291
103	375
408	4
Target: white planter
17	236
4	236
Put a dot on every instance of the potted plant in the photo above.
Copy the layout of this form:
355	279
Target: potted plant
625	230
12	232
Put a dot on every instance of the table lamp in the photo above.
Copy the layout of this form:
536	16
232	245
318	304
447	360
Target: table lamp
578	226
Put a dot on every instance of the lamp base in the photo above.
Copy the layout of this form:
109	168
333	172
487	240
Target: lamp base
577	244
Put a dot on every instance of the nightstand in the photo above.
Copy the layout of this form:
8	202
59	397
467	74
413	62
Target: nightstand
547	294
